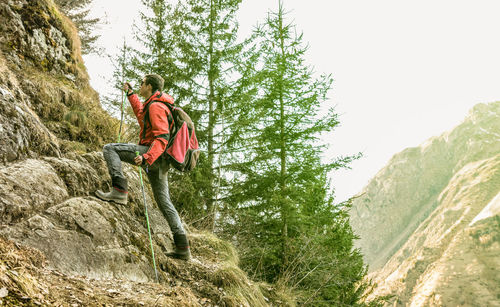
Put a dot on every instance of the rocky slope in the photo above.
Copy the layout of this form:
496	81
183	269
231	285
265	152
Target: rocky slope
59	245
429	221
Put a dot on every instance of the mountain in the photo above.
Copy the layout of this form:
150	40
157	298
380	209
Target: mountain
429	222
59	245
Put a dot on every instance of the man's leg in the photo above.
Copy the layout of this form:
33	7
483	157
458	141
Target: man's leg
162	197
114	154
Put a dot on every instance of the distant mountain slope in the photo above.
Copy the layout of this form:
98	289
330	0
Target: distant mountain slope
429	220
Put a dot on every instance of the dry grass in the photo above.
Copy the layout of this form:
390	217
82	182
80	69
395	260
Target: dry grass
16	264
71	33
43	15
72	113
239	290
208	246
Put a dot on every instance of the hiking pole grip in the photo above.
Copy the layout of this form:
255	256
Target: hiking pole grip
147	219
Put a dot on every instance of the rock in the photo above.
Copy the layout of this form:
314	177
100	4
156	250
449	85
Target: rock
59	244
77	238
429	219
22	127
407	190
79	176
28	188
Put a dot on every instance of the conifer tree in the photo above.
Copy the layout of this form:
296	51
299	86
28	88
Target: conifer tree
162	45
78	12
285	128
210	47
192	45
283	217
116	101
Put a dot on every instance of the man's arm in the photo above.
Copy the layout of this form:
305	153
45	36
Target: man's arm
133	99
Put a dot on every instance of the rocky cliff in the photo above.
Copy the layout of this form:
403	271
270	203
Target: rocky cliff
59	245
429	221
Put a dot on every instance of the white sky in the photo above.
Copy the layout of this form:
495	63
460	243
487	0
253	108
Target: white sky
404	70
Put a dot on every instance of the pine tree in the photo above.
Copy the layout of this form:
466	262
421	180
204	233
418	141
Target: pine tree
78	12
284	128
208	30
161	43
116	103
283	217
192	45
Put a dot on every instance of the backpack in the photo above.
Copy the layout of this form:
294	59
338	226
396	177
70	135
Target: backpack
182	150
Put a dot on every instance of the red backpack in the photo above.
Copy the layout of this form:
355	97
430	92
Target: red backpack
182	150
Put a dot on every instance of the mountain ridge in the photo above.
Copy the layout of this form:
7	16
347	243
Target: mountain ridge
421	206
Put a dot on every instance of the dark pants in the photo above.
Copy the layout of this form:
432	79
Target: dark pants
117	152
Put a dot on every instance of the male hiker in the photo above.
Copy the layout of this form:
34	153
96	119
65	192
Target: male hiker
153	141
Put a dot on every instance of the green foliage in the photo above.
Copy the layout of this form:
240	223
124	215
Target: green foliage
78	12
258	112
117	103
279	209
162	48
209	49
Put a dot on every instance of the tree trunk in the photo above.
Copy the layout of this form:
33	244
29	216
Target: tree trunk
283	200
211	118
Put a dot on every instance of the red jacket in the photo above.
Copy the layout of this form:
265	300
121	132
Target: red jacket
157	128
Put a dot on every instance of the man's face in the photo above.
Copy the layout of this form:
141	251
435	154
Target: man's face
145	90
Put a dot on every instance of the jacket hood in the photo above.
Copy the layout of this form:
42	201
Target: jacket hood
159	96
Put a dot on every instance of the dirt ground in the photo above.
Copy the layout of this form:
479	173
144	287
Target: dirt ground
27	280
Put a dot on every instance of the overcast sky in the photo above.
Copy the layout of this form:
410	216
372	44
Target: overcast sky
403	71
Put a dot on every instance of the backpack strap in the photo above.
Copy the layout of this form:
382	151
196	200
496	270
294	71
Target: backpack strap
147	121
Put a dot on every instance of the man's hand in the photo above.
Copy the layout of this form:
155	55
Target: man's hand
127	87
138	160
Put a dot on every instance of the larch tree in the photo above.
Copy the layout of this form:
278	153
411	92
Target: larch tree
161	50
283	216
78	12
193	46
209	33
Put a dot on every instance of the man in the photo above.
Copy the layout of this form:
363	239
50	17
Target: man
156	123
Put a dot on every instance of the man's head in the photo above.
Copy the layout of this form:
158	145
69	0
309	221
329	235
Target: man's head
150	84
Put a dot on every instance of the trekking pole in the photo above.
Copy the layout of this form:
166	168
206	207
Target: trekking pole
123	97
121	120
147	220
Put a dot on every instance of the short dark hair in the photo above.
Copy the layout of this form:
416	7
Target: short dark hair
156	82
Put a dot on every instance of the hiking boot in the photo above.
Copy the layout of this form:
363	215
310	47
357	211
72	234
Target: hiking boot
181	249
114	195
